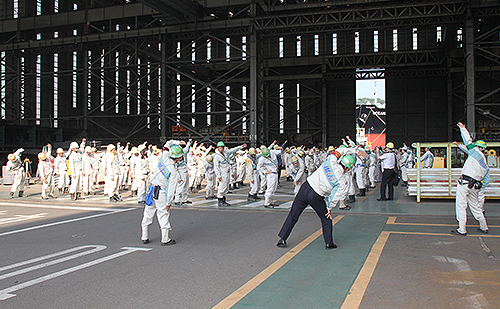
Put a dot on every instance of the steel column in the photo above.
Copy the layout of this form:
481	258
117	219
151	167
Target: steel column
469	73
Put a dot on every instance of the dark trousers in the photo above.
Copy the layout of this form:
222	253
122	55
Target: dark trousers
387	176
307	196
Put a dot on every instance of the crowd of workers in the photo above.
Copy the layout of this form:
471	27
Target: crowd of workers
80	169
163	176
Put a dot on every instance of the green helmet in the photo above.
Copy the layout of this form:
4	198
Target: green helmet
220	144
342	146
480	143
265	152
347	161
175	152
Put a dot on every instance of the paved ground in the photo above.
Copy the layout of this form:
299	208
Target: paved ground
396	254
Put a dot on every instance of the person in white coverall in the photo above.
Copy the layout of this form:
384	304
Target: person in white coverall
403	166
427	158
222	170
140	173
327	181
181	193
253	174
61	169
15	166
268	165
75	167
87	171
111	172
162	187
46	173
208	170
475	177
297	171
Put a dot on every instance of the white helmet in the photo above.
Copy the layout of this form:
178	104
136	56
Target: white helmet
210	158
42	156
74	145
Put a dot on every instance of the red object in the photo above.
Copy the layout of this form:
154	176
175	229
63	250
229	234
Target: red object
375	140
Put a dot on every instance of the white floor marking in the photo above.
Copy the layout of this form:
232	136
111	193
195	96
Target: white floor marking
254	204
59	207
18	218
64	222
475	300
459	264
6	293
286	205
50	263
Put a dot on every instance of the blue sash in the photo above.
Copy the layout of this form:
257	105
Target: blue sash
163	169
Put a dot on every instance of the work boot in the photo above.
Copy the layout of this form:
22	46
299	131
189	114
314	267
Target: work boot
11	195
221	202
51	194
362	192
21	194
145	235
79	196
73	196
351	199
250	197
44	195
198	187
255	197
224	201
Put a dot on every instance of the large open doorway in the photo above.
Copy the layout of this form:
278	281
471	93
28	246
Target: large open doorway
370	107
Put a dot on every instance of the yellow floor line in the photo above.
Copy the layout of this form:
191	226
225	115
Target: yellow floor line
445	234
355	295
392	220
232	299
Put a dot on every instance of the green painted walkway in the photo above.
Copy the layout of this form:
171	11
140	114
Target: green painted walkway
319	278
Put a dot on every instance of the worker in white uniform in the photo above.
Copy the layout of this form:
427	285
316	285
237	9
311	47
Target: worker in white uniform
327	181
475	177
134	160
141	173
241	168
162	187
15	166
181	193
309	161
427	158
253	174
61	169
222	170
298	172
75	166
46	173
403	166
208	170
87	171
372	157
360	171
111	172
268	165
